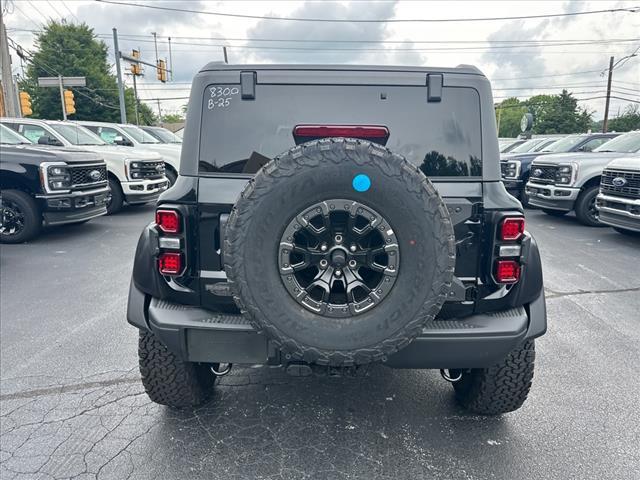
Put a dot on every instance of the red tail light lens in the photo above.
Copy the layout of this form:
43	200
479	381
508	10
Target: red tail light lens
507	271
168	221
350	131
170	263
512	228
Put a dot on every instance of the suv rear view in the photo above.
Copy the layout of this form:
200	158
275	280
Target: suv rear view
327	218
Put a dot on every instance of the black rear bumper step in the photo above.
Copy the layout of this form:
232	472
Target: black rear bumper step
199	335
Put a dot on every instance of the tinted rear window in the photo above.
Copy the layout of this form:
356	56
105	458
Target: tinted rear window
443	138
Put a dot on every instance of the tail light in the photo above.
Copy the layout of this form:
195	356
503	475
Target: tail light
171	259
512	228
507	268
170	263
168	221
375	133
507	271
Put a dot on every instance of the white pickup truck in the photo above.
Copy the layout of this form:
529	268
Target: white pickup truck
128	135
135	175
618	202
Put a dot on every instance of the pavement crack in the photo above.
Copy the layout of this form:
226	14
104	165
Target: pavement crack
37	392
554	294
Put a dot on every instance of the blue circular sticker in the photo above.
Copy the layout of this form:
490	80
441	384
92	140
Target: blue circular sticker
361	182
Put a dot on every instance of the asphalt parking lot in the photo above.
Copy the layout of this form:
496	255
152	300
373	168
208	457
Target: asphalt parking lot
71	404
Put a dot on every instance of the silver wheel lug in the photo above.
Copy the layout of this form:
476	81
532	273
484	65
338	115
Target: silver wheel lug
352	248
323	247
338	273
323	263
352	263
338	238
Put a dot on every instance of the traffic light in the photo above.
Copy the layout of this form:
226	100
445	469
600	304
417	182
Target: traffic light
136	68
69	102
25	104
162	71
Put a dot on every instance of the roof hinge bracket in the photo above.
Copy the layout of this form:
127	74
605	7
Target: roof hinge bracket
248	85
434	87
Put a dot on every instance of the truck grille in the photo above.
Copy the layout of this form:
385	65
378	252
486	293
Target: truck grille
630	183
543	173
84	176
148	170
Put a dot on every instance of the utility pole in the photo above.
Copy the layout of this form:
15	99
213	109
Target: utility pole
135	99
224	50
606	105
155	43
170	60
159	112
9	91
123	108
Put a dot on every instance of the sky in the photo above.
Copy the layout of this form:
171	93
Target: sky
521	57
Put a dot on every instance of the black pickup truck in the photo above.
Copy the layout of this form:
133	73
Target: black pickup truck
50	185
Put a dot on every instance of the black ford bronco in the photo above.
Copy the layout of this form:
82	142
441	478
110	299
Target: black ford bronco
328	217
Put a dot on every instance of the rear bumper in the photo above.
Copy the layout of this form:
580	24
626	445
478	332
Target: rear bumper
619	212
199	335
551	196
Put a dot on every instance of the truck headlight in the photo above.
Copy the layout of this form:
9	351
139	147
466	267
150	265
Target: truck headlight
566	174
512	169
55	177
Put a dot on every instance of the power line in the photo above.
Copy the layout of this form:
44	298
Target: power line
64	4
52	70
391	20
54	9
28	17
536	43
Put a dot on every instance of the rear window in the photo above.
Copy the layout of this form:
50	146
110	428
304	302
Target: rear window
442	138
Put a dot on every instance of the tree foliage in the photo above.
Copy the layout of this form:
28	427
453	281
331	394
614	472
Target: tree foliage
74	50
172	118
508	115
629	120
551	114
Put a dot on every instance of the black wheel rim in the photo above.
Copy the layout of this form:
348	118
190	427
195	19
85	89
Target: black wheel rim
339	258
12	218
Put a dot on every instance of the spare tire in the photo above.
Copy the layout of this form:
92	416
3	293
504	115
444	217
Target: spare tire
340	250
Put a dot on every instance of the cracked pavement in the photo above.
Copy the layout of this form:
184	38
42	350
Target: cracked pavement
72	406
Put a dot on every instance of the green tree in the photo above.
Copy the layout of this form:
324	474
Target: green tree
629	120
145	113
74	50
509	112
172	118
558	114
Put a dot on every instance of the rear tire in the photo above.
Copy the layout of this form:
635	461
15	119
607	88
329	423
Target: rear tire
21	220
554	213
116	197
169	380
586	211
501	388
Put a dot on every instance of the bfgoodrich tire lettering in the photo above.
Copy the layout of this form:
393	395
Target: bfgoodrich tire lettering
314	172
